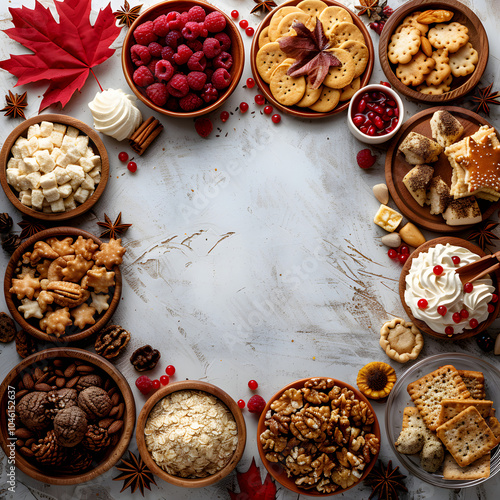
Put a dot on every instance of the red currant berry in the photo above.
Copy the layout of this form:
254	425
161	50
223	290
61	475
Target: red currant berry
234	14
123	156
243	107
456	260
250	83
268	110
491	308
422	304
259	99
456	317
468	287
156	384
244	24
464	313
494	298
386	84
442	310
170	370
449	331
224	116
164	380
392	254
403	257
438	270
473	323
132	166
241	403
253	385
249	31
276	118
404	250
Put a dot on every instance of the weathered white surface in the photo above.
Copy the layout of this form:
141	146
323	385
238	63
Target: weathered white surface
252	255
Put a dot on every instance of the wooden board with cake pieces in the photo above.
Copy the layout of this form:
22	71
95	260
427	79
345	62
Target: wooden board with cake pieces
396	167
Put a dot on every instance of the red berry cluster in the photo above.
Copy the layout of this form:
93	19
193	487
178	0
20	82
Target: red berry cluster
400	254
183	59
378	26
145	384
256	403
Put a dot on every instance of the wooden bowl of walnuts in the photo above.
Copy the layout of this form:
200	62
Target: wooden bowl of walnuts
72	412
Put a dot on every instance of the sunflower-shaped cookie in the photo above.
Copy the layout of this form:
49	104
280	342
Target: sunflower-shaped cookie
401	340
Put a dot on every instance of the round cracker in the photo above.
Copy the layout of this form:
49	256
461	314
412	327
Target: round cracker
312	7
285	25
268	58
264	37
327	101
344	32
310	96
286	89
332	16
351	89
359	54
340	76
276	19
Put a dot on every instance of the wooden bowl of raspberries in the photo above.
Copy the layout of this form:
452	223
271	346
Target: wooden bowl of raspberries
183	58
70	415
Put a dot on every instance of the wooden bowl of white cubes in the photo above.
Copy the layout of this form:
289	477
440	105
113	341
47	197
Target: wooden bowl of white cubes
53	167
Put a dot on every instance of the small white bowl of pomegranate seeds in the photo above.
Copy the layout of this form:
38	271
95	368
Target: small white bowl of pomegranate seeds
375	114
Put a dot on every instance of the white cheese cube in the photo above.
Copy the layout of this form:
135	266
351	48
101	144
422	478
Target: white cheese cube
46	128
72	132
31	165
25	198
81	143
13	162
62	160
46	162
95	172
88	163
48	181
21	147
34	131
13	177
58	206
59	127
88	183
65	190
89	152
75	183
55	153
62	176
34	179
37	198
33	145
15	151
45	203
45	143
73	155
23	168
47	209
81	195
97	178
51	194
75	171
23	183
69	202
67	142
57	138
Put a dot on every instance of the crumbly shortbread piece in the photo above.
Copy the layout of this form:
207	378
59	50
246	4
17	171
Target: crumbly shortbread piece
439	195
387	218
419	149
463	211
445	128
417	181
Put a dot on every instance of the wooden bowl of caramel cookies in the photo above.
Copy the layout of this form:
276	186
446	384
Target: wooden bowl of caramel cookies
63	284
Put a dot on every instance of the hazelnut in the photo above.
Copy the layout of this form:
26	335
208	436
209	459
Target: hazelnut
70	425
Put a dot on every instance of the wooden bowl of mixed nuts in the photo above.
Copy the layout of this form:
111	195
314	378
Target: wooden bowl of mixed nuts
70	415
207	417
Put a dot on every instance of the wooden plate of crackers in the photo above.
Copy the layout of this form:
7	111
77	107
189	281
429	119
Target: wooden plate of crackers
483	382
343	27
396	168
443	60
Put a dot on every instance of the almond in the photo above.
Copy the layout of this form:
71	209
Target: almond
121	409
115	399
106	422
23	433
70	371
43	387
27	452
20	394
115	426
60	382
426	46
28	381
37	373
71	383
434	16
84	369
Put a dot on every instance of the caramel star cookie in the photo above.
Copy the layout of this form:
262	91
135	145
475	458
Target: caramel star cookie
401	340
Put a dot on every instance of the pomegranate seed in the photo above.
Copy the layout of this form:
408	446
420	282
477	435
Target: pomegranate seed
224	116
389	111
361	106
396	111
473	323
494	298
392	253
249	31
391	103
368	122
456	259
170	370
253	385
123	156
386	117
379	123
164	380
156	384
438	270
404	249
371	130
364	129
464	313
491	308
241	403
132	166
379	109
442	310
276	118
244	24
260	100
403	257
250	83
449	331
456	317
234	14
468	287
422	304
371	115
358	120
243	107
387	84
268	110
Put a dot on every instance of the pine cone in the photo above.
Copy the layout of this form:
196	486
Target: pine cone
96	438
5	222
145	358
25	344
78	461
11	243
48	451
111	341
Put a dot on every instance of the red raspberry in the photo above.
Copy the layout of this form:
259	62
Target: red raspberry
167	53
155	49
256	404
152	65
178	85
157	92
197	62
223	60
221	78
203	126
173	39
224	40
174	20
190	102
197	14
143	77
209	72
195	45
203	30
196	80
184	19
209	93
144	384
144	33
172	104
365	158
183	54
215	22
164	70
140	55
160	25
211	47
191	31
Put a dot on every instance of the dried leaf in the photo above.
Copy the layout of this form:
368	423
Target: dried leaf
252	487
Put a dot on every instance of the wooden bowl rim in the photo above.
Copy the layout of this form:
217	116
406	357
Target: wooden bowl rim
35	332
129	418
191	385
277	471
293	110
421	325
65	120
236	45
392	24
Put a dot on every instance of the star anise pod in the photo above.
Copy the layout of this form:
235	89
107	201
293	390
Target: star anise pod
482	99
385	481
29	227
263	6
371	8
135	474
484	234
127	15
112	229
15	105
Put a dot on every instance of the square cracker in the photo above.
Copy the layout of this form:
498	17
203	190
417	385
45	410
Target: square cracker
474	381
494	425
476	470
428	392
452	407
467	436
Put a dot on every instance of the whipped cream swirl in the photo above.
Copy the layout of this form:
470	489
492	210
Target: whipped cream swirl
446	289
115	113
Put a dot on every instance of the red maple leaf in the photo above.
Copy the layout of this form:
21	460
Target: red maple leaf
64	53
252	487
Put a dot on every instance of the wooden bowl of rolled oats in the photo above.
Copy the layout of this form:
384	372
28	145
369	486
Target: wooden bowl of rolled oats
318	436
183	425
